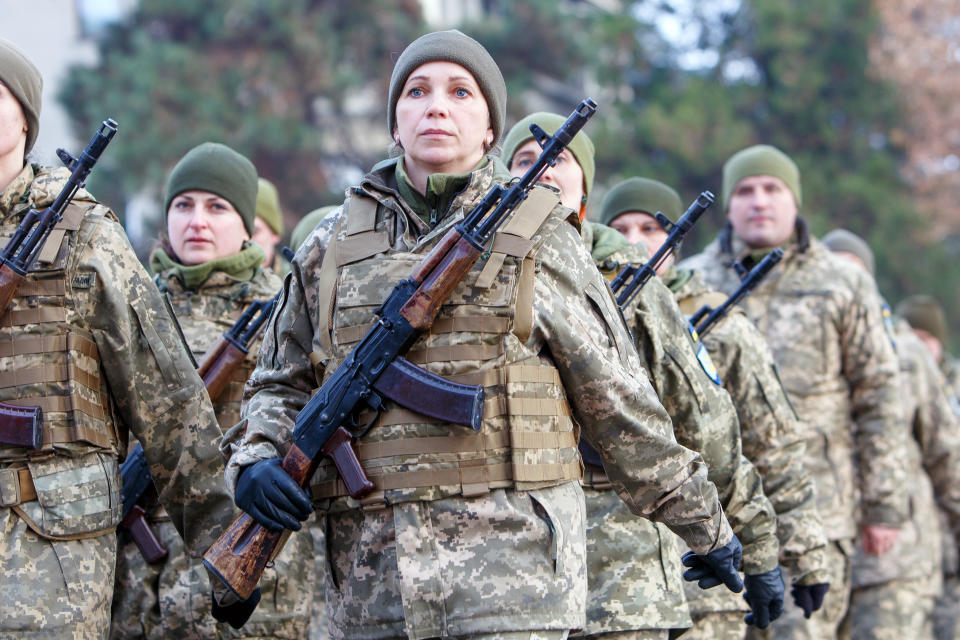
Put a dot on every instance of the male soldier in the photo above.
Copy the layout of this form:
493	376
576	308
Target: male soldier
893	594
929	324
467	534
268	225
772	436
88	340
624	552
821	317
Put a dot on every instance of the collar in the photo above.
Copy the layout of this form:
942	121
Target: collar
239	267
18	191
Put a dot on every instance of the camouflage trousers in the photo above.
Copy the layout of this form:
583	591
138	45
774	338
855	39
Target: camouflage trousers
828	621
506	561
946	608
171	599
53	590
716	625
893	611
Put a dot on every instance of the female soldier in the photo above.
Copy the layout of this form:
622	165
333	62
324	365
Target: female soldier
211	272
87	339
467	534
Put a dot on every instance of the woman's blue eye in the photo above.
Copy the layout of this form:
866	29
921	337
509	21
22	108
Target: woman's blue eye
462	93
415	92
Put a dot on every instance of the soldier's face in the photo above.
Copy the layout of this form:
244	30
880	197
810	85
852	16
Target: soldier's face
762	211
443	123
202	227
640	227
13	125
566	175
264	236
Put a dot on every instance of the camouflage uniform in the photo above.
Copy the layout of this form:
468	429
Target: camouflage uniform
771	432
626	588
821	317
482	552
893	594
947	605
88	339
171	598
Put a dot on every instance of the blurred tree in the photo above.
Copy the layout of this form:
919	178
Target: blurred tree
297	85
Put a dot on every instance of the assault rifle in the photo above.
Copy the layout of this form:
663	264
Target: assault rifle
27	241
748	281
224	357
632	277
218	366
137	482
374	368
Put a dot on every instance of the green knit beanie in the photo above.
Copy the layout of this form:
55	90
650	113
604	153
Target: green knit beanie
307	224
760	160
268	205
23	79
581	146
217	168
643	195
848	242
924	312
452	46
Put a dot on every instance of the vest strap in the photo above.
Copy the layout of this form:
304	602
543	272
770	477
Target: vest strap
327	282
46	344
16	487
43	287
452	353
49	373
60	404
20	317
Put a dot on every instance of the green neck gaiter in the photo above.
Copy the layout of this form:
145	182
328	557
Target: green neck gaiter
442	188
240	266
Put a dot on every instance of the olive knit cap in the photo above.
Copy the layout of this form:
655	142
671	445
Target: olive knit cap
643	195
452	46
217	168
23	79
924	312
268	205
581	146
760	160
849	242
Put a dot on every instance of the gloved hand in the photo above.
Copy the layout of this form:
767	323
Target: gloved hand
720	566
271	497
238	613
809	597
765	597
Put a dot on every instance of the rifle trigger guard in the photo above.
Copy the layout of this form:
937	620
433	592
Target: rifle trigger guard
375	402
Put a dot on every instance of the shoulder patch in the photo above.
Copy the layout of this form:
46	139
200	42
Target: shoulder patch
83	280
703	357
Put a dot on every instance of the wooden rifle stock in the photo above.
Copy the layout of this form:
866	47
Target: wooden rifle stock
438	282
218	366
9	283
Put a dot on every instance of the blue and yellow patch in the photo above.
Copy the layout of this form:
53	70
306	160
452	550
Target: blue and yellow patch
888	323
703	357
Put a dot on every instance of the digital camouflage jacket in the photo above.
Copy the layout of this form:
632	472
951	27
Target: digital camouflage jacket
487	576
821	317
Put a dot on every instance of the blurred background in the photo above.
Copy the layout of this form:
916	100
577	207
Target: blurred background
863	94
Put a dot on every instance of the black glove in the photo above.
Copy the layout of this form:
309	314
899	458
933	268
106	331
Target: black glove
765	597
239	612
809	597
720	566
271	497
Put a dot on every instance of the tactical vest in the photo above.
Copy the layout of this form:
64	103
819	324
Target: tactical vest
49	362
528	438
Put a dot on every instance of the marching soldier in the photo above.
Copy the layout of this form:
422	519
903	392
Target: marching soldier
465	535
821	317
633	569
88	340
772	436
893	594
211	273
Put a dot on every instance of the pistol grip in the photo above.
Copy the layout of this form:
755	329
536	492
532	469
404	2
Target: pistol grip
150	548
340	449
